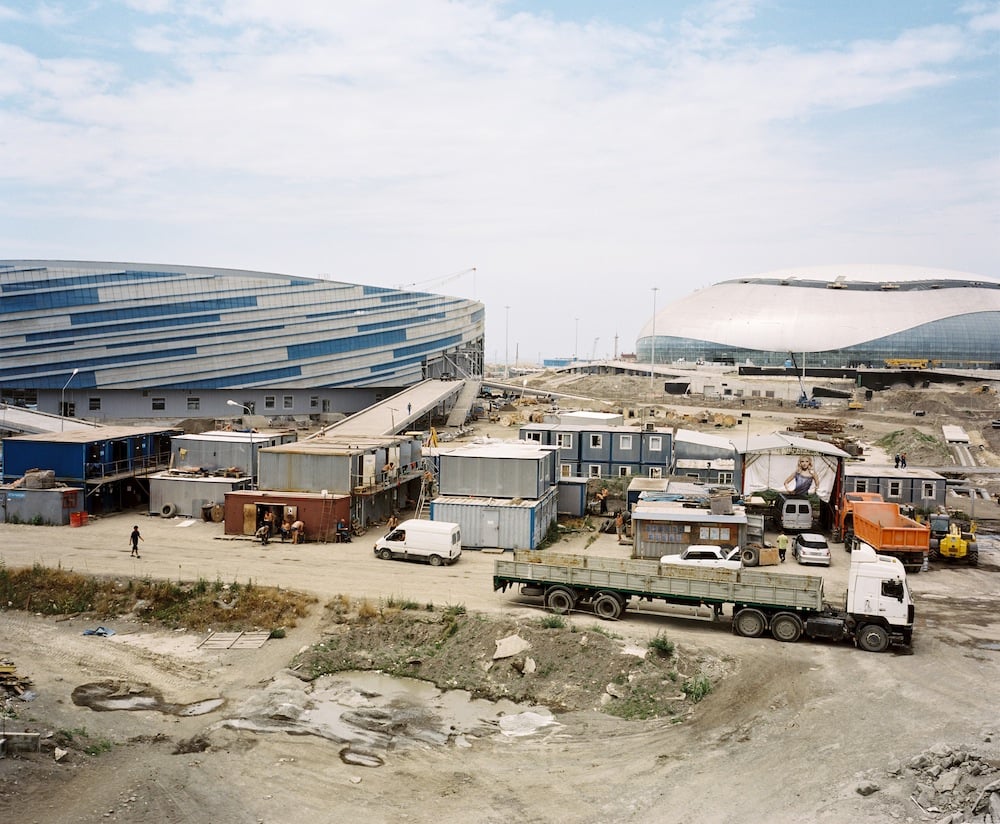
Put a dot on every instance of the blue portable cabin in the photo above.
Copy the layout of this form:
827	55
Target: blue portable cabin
709	458
112	463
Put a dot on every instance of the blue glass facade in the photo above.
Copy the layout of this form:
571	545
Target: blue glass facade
125	326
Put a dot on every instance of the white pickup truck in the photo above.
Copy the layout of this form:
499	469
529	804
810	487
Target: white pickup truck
706	555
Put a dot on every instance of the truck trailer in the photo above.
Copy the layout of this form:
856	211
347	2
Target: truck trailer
883	527
878	610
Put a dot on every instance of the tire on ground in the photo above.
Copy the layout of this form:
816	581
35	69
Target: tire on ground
560	600
168	510
750	556
750	623
873	638
608	605
787	627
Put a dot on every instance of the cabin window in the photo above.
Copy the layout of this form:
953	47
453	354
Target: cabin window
656	472
861	485
623	472
596	441
533	436
927	490
288	402
565	470
94	404
655	444
193	404
725	477
159	404
895	489
594	470
564	440
893	589
269	402
625	442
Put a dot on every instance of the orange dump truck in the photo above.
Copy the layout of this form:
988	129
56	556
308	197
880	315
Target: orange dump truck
843	528
881	525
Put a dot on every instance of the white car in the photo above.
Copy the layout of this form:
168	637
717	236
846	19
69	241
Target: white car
706	555
811	548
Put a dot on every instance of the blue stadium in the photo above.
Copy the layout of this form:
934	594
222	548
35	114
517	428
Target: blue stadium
170	331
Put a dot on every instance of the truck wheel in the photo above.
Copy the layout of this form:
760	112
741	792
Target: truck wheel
750	556
608	606
750	623
873	638
935	549
973	554
435	560
560	600
787	627
385	554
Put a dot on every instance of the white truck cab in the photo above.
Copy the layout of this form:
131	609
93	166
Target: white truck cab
436	542
877	587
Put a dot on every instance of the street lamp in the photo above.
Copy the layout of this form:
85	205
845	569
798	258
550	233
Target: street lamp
506	344
250	432
62	401
652	349
576	339
392	417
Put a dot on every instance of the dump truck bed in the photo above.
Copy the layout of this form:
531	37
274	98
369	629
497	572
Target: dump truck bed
642	578
882	526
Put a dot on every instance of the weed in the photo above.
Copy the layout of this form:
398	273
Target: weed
97	747
696	688
454	609
599	630
662	646
552	622
367	610
277	632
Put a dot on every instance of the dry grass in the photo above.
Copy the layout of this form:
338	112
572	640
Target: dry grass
195	605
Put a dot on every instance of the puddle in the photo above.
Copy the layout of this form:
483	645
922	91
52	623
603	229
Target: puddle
374	714
990	645
108	696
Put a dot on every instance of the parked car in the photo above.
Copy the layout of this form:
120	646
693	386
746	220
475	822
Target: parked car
811	548
705	555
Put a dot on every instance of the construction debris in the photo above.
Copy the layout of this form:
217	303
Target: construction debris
10	681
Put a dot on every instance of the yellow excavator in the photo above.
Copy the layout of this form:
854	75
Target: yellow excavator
954	544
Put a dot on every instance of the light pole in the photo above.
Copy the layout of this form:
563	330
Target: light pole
506	344
652	345
392	417
250	432
576	339
62	401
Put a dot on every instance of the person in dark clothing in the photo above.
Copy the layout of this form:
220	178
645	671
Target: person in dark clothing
135	538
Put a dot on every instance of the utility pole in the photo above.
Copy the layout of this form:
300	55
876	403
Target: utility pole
652	346
506	345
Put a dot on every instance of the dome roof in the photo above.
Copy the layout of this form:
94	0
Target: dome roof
812	309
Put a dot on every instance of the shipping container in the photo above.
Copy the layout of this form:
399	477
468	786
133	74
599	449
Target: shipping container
499	523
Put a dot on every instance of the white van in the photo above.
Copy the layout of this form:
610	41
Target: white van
796	514
436	542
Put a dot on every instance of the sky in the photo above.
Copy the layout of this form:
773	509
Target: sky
572	164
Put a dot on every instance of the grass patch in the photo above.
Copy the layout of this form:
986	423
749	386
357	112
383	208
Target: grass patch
552	622
662	646
696	688
196	605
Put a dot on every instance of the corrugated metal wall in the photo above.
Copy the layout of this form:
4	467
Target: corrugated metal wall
496	523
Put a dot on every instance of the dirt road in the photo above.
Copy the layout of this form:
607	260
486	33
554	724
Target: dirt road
787	736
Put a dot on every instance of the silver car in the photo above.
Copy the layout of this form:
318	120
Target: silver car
811	548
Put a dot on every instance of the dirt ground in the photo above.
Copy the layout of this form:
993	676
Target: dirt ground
789	733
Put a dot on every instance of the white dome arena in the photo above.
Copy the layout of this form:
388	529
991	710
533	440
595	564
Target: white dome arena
857	314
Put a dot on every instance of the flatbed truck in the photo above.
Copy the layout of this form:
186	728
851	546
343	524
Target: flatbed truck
877	610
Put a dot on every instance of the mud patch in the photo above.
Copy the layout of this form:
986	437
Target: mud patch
108	696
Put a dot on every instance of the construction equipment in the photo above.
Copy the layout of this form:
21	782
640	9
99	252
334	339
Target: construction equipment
885	528
950	542
804	400
843	526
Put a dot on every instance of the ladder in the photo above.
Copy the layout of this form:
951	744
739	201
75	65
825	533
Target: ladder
325	520
423	510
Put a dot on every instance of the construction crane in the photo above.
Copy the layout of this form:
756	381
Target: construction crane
804	399
443	280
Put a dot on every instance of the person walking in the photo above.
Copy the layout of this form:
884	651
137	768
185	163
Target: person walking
135	538
897	460
620	525
602	497
782	546
902	461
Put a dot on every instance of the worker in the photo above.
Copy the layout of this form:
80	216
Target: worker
782	546
343	532
286	530
298	531
393	522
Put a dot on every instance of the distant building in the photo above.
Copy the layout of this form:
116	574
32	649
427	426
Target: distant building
838	315
154	341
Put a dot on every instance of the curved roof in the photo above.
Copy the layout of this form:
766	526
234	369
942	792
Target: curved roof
823	307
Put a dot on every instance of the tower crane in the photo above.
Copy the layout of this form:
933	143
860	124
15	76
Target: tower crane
443	280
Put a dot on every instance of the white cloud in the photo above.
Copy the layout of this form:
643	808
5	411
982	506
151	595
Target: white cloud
393	142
